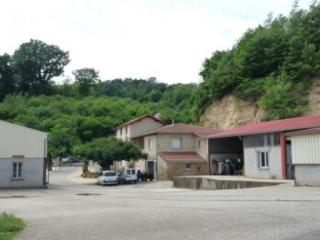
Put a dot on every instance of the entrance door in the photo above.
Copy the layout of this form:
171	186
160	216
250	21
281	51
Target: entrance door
150	167
290	167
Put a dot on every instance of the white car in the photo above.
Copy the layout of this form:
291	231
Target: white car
108	178
129	175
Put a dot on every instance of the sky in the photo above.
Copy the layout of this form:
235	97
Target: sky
166	39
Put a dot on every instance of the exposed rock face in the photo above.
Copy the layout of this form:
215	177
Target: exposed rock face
314	98
230	112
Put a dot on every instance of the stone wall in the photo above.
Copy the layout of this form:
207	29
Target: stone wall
162	169
178	169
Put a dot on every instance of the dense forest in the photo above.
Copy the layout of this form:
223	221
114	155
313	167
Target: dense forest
82	113
271	65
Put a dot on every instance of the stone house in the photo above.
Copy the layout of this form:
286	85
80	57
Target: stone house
175	150
132	128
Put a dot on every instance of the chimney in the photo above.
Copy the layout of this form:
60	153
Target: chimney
157	116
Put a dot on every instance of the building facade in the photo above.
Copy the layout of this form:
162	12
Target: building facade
272	150
23	153
132	128
175	150
305	156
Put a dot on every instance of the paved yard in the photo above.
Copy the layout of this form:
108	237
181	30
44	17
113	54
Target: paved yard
156	211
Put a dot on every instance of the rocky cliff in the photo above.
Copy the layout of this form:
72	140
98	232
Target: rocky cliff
231	112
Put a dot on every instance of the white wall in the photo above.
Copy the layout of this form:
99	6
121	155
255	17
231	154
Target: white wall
32	173
305	149
18	140
307	175
251	168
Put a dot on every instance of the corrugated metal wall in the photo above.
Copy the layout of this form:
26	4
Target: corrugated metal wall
305	149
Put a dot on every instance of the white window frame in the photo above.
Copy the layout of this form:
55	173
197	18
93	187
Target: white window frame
176	143
17	170
188	166
263	160
150	144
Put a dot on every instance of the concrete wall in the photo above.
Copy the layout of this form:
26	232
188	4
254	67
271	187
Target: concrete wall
17	140
307	174
251	168
32	173
207	183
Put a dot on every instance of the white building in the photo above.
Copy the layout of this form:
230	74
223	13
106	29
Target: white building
305	147
280	149
23	153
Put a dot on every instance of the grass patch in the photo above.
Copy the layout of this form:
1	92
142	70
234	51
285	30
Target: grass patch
10	226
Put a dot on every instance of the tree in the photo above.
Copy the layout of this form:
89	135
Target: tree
105	151
37	63
85	78
7	84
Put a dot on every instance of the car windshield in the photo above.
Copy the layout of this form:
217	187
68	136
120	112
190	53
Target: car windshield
110	174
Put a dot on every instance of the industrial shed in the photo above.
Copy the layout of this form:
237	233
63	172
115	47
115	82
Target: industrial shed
279	149
23	154
305	154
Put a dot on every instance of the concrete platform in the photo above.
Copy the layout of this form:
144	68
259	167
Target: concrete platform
224	182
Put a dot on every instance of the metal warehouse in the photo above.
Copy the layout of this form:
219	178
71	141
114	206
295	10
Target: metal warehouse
281	149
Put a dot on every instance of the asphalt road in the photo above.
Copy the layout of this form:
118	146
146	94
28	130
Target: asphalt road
68	211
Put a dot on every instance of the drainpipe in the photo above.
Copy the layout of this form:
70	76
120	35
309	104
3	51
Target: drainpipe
283	147
208	152
156	167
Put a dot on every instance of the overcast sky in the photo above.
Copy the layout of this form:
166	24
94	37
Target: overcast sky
167	39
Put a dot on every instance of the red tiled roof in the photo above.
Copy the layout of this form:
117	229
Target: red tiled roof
283	125
180	128
182	157
141	118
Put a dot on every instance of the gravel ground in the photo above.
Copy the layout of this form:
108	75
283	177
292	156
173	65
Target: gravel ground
72	209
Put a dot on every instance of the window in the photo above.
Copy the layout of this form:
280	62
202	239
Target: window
263	160
150	143
110	174
199	143
126	129
120	131
264	140
17	170
276	139
188	166
176	143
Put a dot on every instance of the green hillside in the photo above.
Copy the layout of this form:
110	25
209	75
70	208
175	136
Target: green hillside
271	65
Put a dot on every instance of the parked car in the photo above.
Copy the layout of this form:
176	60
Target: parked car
108	178
129	175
